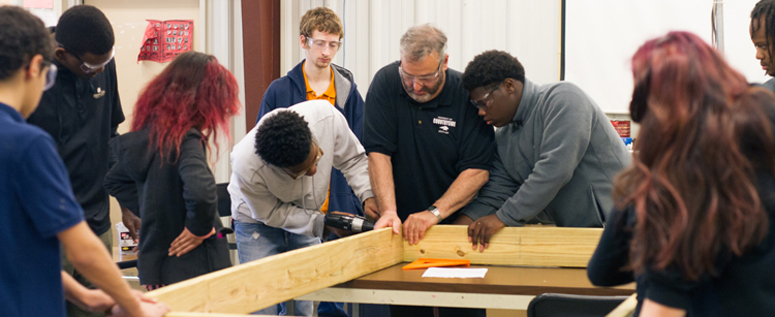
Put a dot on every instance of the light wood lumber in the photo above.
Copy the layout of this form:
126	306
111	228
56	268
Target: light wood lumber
532	246
255	285
625	308
422	298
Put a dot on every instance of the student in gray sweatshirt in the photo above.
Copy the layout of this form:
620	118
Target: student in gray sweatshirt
557	151
281	173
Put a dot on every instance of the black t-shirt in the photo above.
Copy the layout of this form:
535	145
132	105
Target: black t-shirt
430	143
82	114
743	287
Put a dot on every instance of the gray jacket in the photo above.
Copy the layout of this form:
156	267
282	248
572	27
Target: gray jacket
770	84
557	158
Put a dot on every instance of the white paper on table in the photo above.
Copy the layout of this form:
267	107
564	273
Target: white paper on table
455	272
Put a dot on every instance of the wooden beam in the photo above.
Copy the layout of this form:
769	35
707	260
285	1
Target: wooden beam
625	308
255	285
262	283
535	246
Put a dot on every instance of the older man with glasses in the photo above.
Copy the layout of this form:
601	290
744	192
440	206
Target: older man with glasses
82	112
428	152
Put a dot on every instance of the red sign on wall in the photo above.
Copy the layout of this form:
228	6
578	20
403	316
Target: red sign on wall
164	40
622	127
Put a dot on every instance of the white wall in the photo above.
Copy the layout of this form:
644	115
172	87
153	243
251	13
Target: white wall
602	35
48	15
217	31
223	39
528	29
738	47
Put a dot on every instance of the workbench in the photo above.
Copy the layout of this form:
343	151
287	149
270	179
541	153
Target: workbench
366	267
504	287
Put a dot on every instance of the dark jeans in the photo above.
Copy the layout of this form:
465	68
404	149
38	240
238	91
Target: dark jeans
257	240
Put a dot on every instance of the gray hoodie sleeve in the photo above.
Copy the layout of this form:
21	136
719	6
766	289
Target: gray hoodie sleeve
492	195
567	117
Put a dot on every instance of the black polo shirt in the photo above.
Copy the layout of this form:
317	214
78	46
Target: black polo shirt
429	143
82	114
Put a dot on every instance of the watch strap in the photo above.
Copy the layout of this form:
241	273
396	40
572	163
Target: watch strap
435	212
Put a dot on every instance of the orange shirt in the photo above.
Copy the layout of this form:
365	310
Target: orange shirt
330	96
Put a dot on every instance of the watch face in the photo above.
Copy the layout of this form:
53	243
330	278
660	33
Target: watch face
435	212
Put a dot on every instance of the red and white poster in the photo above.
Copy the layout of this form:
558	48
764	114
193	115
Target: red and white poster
164	40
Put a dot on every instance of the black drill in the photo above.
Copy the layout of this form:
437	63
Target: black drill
350	222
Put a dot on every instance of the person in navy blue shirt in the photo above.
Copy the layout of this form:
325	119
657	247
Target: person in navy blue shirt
37	206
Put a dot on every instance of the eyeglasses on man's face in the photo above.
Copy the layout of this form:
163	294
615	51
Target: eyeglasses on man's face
90	68
424	80
296	175
51	74
485	101
322	44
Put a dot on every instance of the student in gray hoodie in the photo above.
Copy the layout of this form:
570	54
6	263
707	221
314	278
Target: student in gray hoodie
281	172
557	151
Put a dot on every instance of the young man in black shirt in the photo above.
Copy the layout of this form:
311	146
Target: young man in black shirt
82	113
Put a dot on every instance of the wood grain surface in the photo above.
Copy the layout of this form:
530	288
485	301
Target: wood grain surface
533	246
499	280
255	285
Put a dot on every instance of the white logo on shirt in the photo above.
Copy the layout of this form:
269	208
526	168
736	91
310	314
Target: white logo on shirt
100	93
445	123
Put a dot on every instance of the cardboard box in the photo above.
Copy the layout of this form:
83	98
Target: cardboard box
125	242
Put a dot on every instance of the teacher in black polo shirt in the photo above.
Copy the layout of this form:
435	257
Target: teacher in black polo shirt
429	153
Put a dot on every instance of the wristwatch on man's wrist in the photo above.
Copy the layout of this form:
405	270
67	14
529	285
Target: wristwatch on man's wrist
435	212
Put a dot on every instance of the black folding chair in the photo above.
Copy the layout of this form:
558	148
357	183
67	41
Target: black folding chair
224	201
566	305
224	209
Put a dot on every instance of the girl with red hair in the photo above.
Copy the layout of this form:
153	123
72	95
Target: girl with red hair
696	207
162	173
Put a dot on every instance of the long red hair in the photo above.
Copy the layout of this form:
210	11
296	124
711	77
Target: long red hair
193	91
692	182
